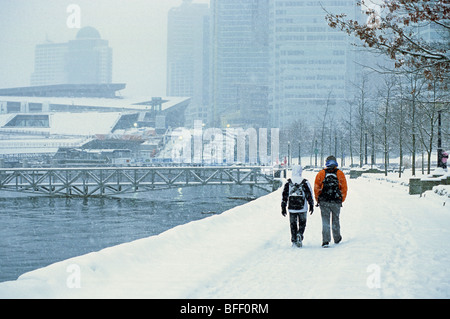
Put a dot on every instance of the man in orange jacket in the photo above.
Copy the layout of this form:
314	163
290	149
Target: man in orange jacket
330	191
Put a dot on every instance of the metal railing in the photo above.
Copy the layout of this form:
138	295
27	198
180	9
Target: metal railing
108	181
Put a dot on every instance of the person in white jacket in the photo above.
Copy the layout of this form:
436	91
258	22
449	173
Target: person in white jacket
297	198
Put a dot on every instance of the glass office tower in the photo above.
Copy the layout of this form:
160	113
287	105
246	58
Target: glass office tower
311	63
239	62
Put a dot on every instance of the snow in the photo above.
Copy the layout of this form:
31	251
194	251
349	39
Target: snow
35	145
68	123
88	123
394	246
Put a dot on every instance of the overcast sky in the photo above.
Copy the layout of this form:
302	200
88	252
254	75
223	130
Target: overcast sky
135	29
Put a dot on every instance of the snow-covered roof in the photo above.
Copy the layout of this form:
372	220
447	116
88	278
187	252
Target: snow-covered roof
65	123
26	144
82	123
120	104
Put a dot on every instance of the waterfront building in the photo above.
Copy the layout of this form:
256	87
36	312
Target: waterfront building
36	121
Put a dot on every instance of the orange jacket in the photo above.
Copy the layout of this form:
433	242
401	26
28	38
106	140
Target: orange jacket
319	180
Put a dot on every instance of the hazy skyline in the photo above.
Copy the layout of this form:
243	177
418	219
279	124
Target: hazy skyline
136	31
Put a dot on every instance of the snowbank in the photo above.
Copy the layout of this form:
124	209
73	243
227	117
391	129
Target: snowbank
169	265
394	246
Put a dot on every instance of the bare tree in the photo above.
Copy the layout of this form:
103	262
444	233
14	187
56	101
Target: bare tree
432	102
415	87
361	98
386	91
349	125
394	27
399	121
324	122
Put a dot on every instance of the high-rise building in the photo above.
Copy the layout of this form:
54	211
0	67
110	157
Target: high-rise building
270	62
188	57
312	65
85	60
50	64
239	62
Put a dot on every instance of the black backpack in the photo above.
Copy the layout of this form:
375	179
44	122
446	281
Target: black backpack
297	195
330	188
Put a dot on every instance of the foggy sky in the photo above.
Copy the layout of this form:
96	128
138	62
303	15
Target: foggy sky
136	31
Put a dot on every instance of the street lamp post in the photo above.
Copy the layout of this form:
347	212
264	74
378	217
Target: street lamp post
289	154
299	155
316	150
439	142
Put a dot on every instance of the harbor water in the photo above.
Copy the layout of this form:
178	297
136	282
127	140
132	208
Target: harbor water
38	231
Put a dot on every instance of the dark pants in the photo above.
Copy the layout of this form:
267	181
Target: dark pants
298	224
330	210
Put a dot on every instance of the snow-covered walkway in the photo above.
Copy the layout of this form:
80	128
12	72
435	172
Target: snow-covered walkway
394	246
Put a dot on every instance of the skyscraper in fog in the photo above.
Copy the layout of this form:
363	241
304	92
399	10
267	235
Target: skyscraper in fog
239	62
85	60
311	63
277	61
50	64
188	57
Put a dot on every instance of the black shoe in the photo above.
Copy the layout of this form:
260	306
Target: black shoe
338	241
325	244
299	240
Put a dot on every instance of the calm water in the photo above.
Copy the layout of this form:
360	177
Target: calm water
38	231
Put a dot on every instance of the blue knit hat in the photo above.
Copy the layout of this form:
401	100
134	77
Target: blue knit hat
331	161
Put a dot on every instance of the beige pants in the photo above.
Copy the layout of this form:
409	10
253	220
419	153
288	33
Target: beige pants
330	210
